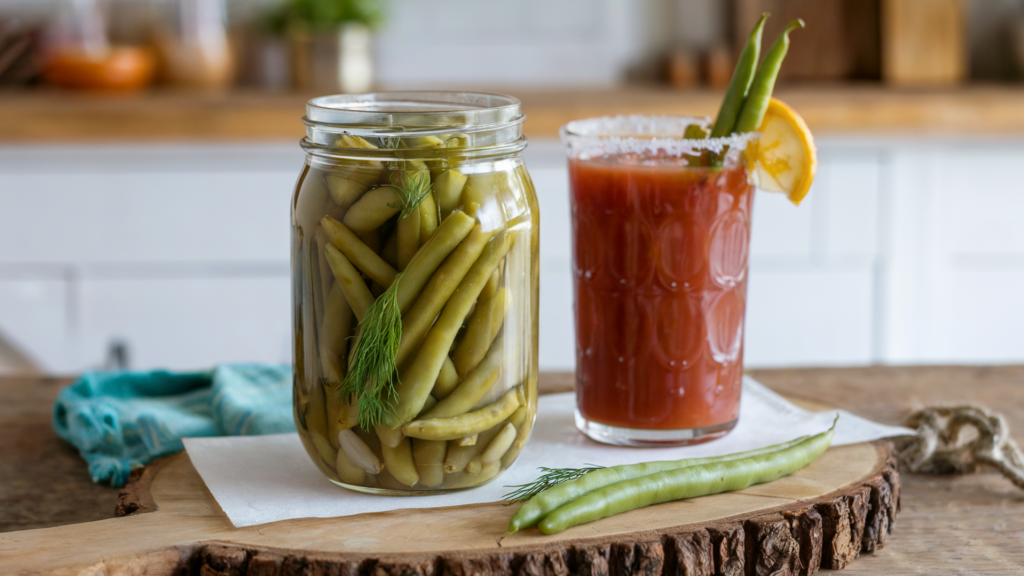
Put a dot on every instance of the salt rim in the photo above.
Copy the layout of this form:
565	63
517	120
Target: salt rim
610	135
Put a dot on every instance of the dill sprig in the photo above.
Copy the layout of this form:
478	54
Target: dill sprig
550	477
372	374
413	188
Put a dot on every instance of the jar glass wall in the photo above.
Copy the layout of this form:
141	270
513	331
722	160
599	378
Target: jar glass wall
415	283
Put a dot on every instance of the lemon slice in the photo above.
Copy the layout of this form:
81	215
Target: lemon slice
785	158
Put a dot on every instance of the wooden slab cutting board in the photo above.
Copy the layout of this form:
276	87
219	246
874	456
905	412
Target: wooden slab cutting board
824	515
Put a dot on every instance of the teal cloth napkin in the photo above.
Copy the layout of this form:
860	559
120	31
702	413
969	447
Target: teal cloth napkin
122	420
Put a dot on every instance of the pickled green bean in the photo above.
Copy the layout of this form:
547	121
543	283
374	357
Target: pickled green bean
447	188
428	218
472	388
438	289
429	458
373	209
447	380
481	330
465	424
346	188
458	457
358	253
448	237
501	443
417	382
398	461
350	282
408	237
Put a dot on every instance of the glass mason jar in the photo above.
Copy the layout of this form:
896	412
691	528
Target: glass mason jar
661	232
415	234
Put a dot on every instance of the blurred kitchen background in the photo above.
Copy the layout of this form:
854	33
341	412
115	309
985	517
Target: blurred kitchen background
148	150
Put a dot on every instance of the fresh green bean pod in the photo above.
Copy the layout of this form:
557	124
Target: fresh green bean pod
357	252
466	424
536	508
739	85
417	382
373	209
689	482
760	95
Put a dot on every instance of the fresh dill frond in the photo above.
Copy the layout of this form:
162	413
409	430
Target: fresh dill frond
412	188
550	477
372	374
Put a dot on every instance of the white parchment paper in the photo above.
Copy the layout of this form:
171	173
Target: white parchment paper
260	479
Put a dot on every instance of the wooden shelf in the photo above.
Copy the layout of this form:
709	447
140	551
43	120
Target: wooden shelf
44	116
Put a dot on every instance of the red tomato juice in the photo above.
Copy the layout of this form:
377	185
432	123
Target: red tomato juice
660	271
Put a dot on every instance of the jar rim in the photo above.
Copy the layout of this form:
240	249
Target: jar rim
416	111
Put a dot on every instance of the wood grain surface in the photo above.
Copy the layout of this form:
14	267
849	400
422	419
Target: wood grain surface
46	117
968	525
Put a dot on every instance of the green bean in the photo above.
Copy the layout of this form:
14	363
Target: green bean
501	443
440	287
389	437
760	94
390	250
465	480
336	324
350	282
358	253
473	386
448	237
417	382
408	237
341	414
690	482
429	458
492	283
423	142
373	209
475	465
447	379
480	332
318	449
316	412
398	461
430	403
535	509
459	456
465	424
428	218
467	440
478	188
346	188
448	190
739	86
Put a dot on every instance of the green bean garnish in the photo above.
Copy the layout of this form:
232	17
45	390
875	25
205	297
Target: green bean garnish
689	482
739	86
756	103
372	375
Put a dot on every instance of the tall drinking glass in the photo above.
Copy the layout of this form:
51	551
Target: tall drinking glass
661	233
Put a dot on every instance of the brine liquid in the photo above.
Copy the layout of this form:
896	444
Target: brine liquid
660	270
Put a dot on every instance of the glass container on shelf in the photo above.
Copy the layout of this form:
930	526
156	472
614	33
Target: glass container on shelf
661	232
415	283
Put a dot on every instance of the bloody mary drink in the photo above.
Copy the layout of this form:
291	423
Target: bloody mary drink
661	229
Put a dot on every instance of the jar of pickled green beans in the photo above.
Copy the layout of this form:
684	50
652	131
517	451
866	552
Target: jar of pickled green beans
415	234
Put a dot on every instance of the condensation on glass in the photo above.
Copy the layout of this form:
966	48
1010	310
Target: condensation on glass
465	259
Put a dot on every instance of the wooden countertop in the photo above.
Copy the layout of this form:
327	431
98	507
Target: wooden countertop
974	523
45	116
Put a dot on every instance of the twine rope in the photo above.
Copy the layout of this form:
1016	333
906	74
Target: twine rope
938	448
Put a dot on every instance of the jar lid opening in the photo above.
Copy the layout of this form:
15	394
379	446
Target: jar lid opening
414	109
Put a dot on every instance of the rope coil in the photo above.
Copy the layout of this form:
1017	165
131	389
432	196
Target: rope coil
938	448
